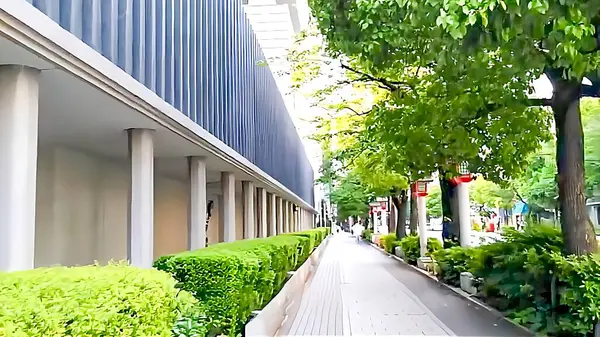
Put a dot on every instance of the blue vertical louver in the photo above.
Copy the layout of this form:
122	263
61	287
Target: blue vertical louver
202	57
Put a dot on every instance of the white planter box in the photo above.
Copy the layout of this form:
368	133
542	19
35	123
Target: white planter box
425	263
466	283
398	252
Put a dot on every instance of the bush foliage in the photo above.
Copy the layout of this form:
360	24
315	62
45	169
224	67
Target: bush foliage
113	300
411	247
233	279
528	277
388	242
367	234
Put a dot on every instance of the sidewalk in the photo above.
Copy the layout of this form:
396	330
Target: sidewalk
357	290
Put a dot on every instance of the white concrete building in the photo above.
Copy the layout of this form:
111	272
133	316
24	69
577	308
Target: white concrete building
123	122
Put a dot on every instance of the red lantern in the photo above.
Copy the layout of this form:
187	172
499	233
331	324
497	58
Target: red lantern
419	188
464	175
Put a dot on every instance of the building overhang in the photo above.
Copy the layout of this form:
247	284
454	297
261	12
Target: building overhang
107	99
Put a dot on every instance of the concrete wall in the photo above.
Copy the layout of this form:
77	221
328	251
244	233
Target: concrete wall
81	213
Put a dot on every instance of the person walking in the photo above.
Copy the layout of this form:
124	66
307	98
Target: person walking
357	230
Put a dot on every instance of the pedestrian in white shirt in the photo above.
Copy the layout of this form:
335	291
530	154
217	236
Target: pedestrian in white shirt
357	230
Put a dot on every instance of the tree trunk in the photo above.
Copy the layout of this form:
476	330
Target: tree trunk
400	203
451	228
577	229
414	215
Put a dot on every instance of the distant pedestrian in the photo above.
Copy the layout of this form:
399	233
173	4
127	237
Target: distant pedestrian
357	230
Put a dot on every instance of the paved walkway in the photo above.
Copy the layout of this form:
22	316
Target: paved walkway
357	290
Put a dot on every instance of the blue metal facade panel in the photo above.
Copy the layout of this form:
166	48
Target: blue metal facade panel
203	58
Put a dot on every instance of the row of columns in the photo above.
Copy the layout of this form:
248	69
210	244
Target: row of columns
18	176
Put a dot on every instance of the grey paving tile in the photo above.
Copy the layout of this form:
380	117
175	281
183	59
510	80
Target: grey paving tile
356	290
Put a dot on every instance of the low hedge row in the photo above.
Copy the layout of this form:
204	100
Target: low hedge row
229	279
113	300
313	237
367	234
233	279
527	276
411	246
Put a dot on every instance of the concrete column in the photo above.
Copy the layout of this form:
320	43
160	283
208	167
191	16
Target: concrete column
280	216
227	207
288	217
422	213
284	210
197	203
374	222
291	217
464	214
19	94
262	197
272	215
141	198
393	217
384	223
249	217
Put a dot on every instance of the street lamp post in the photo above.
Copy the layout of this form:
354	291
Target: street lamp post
464	209
420	189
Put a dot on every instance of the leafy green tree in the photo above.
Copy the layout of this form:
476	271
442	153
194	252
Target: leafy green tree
538	183
486	194
351	198
346	99
491	51
539	186
434	202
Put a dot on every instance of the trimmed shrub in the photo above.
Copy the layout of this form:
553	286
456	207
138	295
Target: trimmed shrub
396	244
222	280
233	279
113	300
433	245
310	240
324	231
305	247
579	288
367	234
411	247
516	277
387	241
451	262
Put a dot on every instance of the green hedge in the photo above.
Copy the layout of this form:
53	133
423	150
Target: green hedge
388	242
451	262
233	279
527	276
114	300
367	234
411	247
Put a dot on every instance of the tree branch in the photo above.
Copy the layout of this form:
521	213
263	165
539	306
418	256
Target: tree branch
388	85
355	112
540	102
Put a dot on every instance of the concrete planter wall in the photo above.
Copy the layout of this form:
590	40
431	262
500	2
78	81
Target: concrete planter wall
466	283
398	252
286	303
425	263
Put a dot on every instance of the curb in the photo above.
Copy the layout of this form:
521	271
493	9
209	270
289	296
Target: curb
457	291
